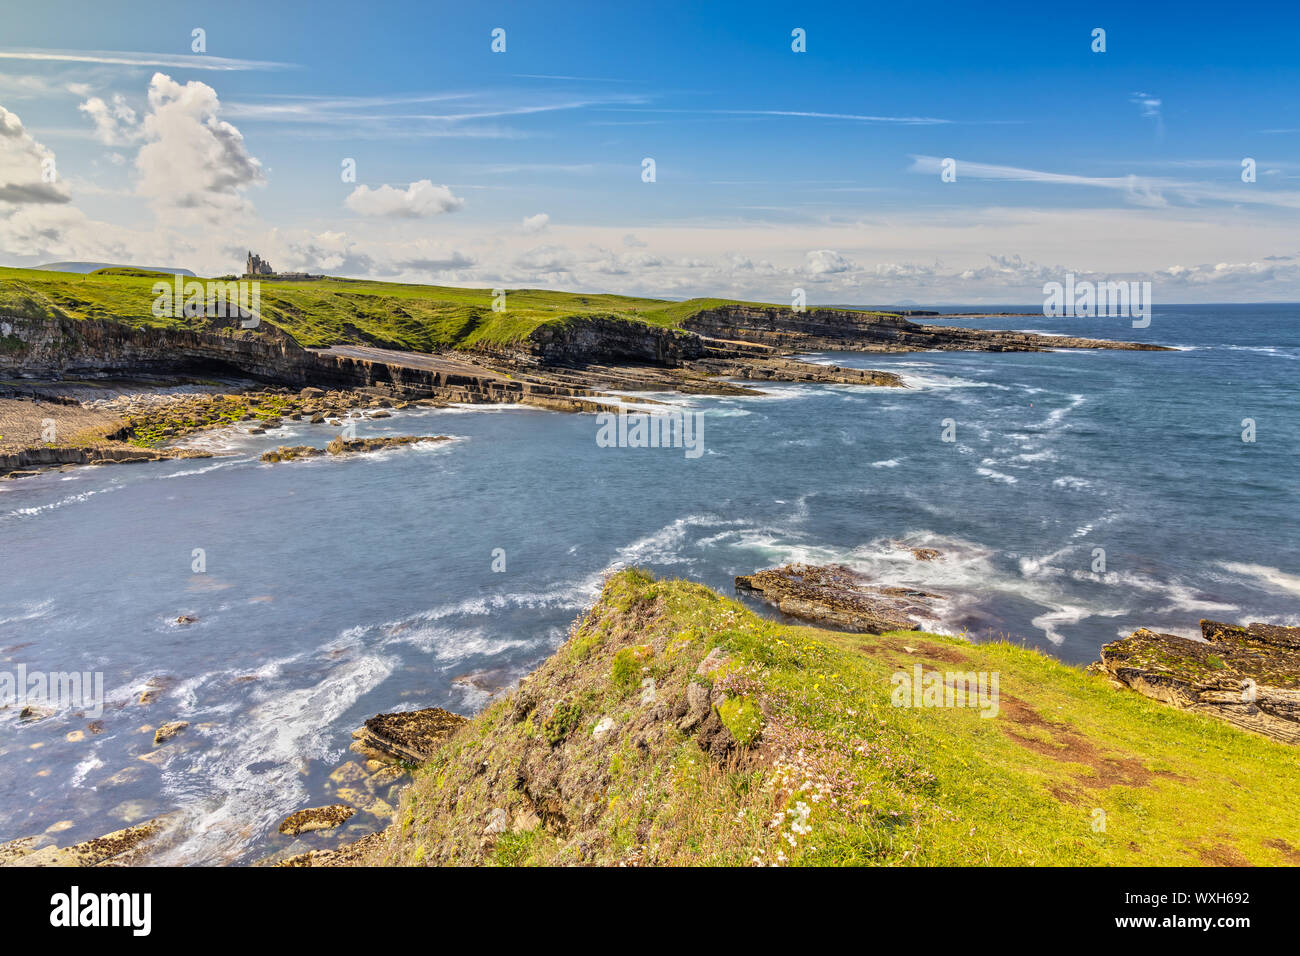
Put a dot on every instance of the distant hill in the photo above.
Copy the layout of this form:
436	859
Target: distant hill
87	267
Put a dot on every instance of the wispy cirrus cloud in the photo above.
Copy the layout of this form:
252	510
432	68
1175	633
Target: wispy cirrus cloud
1141	190
464	114
123	58
804	114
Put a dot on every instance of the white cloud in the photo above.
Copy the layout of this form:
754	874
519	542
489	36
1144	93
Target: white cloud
1138	190
546	260
192	160
115	124
421	198
1147	104
535	224
827	262
23	166
183	61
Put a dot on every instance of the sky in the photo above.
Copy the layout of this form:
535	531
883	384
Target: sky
391	141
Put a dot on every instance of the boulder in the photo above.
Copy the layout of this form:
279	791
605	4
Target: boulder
498	822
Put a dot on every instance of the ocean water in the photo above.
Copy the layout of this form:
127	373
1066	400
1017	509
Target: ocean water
335	590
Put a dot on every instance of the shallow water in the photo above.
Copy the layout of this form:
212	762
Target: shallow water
337	589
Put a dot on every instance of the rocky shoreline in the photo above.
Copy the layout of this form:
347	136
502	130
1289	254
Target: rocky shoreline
152	426
575	365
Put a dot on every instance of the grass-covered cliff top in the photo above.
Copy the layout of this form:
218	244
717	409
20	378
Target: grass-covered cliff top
801	758
331	311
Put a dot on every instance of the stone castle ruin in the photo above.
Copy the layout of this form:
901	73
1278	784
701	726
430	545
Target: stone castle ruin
257	266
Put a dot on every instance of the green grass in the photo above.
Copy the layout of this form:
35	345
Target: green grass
331	311
834	773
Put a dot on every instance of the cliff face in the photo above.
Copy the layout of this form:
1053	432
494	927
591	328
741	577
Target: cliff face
866	332
55	348
59	348
602	340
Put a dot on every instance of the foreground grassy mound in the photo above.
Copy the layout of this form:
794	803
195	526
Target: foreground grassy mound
329	311
677	727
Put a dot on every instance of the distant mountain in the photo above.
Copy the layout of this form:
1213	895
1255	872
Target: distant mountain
92	266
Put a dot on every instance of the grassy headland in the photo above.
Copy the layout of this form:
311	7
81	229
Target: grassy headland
331	311
803	759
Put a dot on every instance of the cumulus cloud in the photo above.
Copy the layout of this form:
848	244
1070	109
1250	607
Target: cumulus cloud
827	262
115	123
536	223
25	166
192	160
421	198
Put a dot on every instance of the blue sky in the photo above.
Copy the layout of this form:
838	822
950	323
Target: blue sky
774	169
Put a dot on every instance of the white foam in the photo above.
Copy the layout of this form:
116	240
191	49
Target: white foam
996	475
286	730
63	502
1273	579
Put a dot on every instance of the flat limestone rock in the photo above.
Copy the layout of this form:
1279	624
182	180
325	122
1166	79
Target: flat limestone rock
15	850
351	854
101	851
1248	676
840	598
317	818
410	735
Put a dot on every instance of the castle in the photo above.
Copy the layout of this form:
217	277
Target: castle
257	266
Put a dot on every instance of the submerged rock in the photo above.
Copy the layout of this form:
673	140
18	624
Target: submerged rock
316	818
167	731
290	452
410	735
835	596
1248	676
342	446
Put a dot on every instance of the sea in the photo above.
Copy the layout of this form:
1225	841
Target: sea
1074	496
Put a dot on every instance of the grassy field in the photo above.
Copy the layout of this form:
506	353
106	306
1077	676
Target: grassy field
324	312
1070	771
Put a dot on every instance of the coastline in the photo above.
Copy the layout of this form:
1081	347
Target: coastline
580	365
159	425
